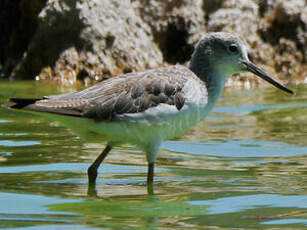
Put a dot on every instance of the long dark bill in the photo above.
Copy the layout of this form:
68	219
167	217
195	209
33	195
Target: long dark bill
259	72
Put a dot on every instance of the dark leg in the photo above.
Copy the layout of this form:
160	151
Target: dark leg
150	176
92	170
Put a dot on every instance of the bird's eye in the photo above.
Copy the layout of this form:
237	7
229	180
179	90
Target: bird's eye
233	48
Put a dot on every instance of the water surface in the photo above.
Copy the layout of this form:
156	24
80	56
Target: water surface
244	167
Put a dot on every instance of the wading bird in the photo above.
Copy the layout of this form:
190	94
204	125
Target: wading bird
145	108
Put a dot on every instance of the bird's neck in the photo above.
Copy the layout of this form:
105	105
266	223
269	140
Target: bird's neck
213	77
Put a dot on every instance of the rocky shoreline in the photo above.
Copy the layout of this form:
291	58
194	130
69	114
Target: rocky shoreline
87	40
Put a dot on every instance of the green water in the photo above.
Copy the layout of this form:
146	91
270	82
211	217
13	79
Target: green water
245	167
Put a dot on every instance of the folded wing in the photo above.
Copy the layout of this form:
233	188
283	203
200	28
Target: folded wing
129	93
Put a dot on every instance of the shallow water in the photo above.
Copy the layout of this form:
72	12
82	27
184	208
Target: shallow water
244	167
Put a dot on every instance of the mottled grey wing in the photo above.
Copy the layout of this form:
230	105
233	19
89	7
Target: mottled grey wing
129	93
136	96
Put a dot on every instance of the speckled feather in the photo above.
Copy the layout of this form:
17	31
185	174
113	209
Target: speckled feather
128	93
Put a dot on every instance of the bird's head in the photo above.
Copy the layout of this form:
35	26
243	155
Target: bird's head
226	54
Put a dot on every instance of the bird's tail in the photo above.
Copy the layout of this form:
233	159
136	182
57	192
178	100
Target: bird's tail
20	103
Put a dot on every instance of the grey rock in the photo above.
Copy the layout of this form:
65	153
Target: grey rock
68	40
238	16
283	27
210	6
101	38
177	25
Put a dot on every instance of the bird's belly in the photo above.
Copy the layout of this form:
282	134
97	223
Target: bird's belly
145	129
